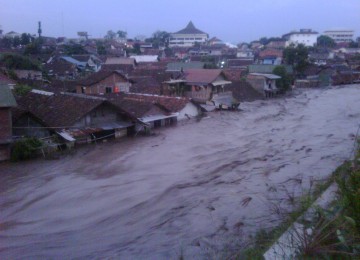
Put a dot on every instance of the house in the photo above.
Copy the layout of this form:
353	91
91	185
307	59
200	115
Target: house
188	37
93	63
74	117
5	80
103	82
61	69
306	37
198	84
263	83
145	58
319	58
181	66
239	63
127	65
7	101
12	34
276	45
148	114
29	74
245	53
185	108
270	56
340	35
215	41
268	68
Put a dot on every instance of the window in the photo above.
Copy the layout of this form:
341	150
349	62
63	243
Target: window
108	89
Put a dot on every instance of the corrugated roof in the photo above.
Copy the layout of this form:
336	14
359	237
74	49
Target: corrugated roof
6	97
267	69
178	66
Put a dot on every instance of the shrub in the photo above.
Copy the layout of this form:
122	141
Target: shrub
25	149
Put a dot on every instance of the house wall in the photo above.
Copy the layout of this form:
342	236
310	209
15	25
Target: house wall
5	133
199	93
186	40
25	124
308	39
190	110
112	81
257	83
101	115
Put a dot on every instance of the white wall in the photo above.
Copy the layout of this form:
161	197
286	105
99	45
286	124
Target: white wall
308	39
190	109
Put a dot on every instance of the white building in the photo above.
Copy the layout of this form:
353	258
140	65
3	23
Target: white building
306	37
188	36
339	35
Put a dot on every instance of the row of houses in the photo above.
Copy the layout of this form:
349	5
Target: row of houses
78	118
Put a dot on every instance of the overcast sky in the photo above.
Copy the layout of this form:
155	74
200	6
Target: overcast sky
230	20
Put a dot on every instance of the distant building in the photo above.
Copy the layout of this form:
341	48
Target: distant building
306	37
340	35
188	36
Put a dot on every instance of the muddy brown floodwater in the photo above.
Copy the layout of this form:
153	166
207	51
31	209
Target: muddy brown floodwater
193	189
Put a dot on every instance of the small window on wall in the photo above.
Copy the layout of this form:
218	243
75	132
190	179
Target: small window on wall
108	90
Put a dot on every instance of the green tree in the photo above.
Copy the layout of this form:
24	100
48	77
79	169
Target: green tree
297	56
110	35
325	41
74	48
353	44
122	34
16	41
101	50
25	38
15	61
284	83
160	38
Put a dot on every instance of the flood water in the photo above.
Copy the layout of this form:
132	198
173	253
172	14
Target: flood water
190	190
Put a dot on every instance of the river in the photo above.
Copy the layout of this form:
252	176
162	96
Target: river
197	190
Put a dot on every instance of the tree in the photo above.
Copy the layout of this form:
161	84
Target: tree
284	83
297	56
122	34
16	41
110	35
25	38
101	50
325	41
160	38
15	61
353	44
74	48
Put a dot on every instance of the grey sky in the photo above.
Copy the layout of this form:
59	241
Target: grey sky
229	20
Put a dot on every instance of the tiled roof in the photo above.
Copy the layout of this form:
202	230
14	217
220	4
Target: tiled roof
120	60
125	68
243	91
201	76
132	106
190	29
58	110
98	76
146	85
172	104
270	53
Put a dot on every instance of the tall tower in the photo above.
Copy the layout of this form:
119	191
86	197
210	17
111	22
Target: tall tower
39	30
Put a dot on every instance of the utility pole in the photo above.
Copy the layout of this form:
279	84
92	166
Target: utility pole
39	30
